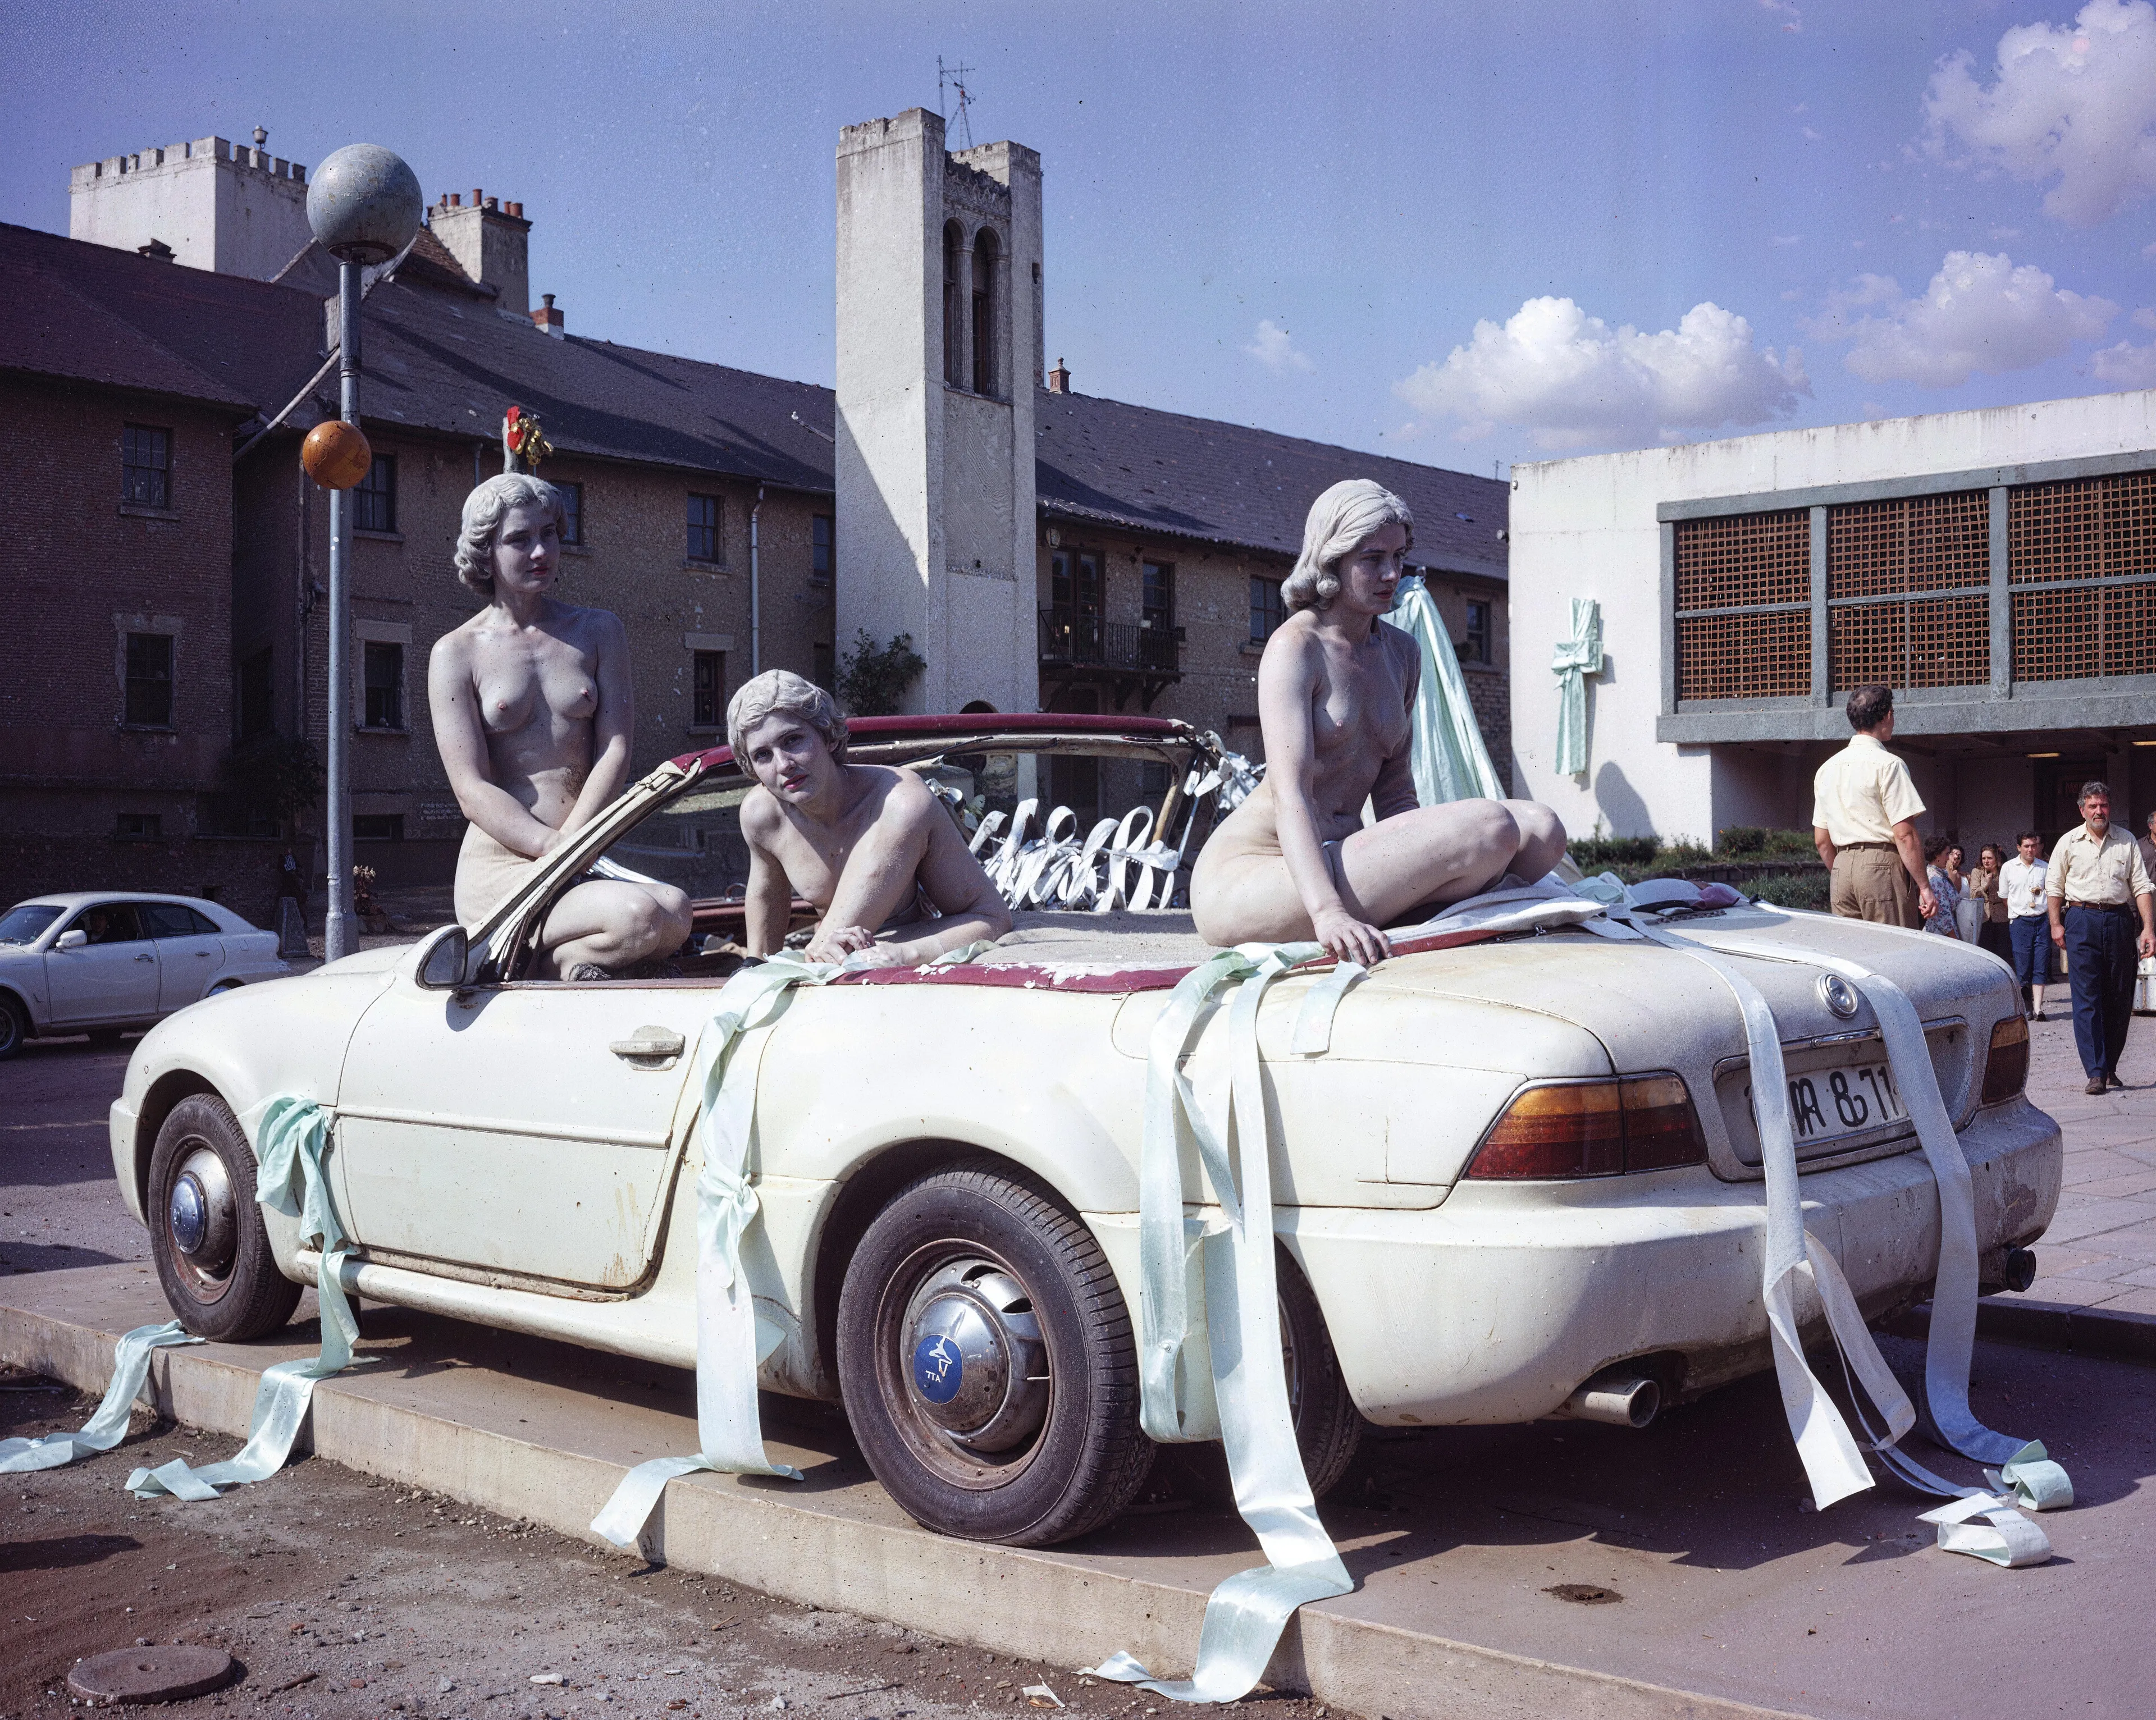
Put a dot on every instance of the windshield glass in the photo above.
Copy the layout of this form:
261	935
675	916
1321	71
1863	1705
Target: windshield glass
22	925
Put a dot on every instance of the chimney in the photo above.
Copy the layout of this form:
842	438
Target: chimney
1059	379
491	242
547	318
157	249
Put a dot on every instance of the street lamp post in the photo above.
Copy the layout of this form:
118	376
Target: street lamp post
364	207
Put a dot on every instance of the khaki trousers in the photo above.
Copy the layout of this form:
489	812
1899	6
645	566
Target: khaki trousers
1872	884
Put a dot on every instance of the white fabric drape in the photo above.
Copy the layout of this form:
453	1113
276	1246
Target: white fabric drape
1450	761
1577	657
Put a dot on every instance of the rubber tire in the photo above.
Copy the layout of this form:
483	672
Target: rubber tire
257	1298
1093	1458
15	1027
1328	1427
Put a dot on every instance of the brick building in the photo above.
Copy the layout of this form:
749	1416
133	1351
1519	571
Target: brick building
137	397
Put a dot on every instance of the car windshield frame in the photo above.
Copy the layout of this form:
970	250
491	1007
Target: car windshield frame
11	938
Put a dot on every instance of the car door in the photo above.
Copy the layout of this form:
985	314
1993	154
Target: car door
113	976
516	1129
189	951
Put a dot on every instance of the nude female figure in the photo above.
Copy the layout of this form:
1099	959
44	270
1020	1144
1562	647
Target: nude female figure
533	713
869	845
1295	861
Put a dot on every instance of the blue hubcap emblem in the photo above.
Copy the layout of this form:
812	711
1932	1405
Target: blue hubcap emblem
938	1369
190	1216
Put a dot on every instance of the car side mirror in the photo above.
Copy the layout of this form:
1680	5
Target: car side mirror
442	968
72	939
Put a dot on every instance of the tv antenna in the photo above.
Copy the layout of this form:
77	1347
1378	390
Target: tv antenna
953	78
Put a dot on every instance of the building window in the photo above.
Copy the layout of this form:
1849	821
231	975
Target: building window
385	684
1156	616
822	554
141	827
824	665
378	827
1476	647
1072	625
954	329
984	300
572	512
257	711
704	518
1265	612
149	681
708	707
374	497
146	467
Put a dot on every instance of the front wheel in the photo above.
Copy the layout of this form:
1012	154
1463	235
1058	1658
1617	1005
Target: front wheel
987	1362
14	1026
206	1233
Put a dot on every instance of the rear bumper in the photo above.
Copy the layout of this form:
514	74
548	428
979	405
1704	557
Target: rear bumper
1494	1307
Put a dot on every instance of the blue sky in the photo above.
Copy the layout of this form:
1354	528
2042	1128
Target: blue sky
1458	233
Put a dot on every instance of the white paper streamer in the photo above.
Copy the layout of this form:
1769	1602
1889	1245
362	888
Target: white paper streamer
108	1427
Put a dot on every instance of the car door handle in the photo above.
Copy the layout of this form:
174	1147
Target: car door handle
652	1048
145	958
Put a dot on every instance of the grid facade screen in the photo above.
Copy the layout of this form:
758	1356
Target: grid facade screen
1741	559
1745	656
1911	544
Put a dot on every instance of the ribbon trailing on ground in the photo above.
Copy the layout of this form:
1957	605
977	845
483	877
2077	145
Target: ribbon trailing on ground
108	1427
729	1434
1446	752
288	1142
1246	1613
1833	1463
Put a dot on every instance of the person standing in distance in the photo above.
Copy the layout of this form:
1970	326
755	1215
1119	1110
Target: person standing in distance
2096	883
1864	813
2021	883
2147	845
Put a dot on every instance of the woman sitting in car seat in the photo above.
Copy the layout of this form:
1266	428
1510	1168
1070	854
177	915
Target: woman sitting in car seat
1296	861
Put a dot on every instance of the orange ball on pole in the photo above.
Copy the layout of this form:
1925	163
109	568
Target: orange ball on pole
336	455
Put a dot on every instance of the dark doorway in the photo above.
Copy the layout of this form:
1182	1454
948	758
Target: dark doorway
2058	785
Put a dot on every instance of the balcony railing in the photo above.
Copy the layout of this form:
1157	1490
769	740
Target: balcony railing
1081	641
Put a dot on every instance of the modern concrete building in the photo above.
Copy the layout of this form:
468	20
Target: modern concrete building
1997	568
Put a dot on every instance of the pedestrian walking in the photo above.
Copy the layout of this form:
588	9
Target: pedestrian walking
2096	888
2147	846
1864	812
289	880
1945	917
1989	897
2028	927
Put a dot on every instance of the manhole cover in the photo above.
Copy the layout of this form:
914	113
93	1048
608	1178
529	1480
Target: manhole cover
1584	1594
169	1674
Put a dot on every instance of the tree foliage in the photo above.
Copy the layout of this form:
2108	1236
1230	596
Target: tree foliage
873	680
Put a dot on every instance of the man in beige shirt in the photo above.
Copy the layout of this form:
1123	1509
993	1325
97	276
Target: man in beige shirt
1864	813
2095	888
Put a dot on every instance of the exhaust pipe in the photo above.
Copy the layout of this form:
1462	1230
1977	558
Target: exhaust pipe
1617	1396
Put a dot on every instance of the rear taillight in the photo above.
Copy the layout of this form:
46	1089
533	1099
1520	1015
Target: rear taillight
2007	1069
1643	1122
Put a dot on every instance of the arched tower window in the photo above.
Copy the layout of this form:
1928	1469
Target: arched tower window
954	328
987	255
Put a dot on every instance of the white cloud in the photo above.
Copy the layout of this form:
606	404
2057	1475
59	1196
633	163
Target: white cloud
1980	313
2125	366
2076	103
2145	317
1787	239
1277	352
1574	381
1793	19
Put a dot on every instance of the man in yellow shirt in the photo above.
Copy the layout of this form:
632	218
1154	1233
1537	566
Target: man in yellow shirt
1864	813
2094	888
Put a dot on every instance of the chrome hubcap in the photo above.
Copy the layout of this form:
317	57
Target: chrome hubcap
974	1362
201	1217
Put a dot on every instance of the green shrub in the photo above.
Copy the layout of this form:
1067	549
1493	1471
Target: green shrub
1792	890
873	681
1592	854
1746	842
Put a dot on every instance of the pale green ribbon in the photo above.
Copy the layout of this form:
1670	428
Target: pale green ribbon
1446	752
729	1432
1577	657
288	1142
1246	1614
108	1427
1832	1460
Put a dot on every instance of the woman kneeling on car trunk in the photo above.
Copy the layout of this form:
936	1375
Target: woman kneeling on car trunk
1335	687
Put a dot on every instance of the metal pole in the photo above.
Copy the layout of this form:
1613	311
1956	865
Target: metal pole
338	936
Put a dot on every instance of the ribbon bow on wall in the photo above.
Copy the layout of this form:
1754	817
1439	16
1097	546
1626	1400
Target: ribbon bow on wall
1577	657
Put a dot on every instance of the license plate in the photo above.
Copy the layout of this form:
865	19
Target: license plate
1830	1102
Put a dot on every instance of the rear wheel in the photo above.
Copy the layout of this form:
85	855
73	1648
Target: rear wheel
206	1232
987	1362
14	1026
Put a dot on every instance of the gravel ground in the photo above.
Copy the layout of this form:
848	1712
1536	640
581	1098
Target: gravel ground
341	1595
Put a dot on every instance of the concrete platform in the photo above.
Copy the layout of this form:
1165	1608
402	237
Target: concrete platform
1736	1598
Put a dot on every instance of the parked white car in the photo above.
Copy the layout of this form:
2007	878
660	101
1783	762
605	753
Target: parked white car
1525	1164
102	961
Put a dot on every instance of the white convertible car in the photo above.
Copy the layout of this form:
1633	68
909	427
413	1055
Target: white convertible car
1527	1165
102	961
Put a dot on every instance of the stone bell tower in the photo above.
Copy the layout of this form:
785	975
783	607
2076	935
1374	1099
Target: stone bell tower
939	357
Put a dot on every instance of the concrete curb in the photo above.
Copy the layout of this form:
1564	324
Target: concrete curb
2050	1326
1009	1600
